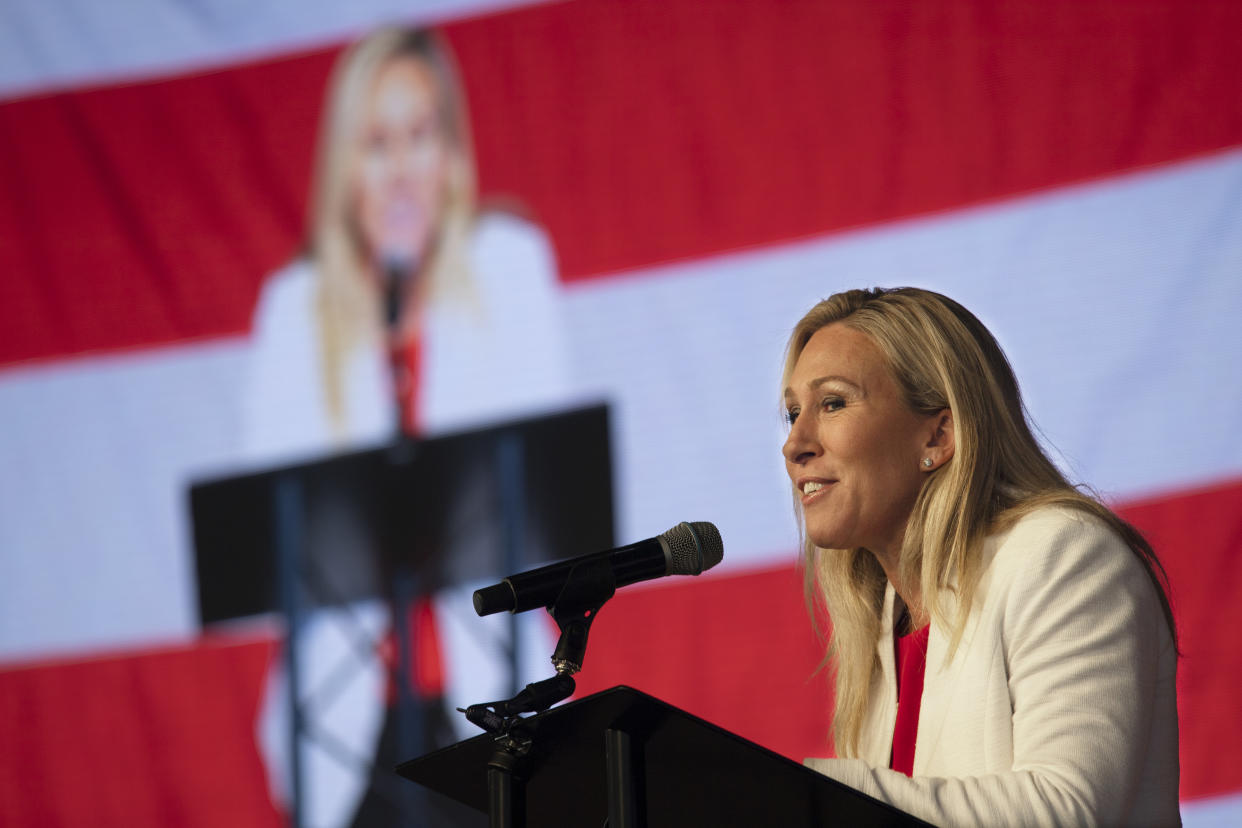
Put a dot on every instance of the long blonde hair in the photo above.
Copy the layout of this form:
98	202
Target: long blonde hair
941	357
348	299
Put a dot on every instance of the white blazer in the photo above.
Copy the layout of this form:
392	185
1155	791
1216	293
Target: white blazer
1059	706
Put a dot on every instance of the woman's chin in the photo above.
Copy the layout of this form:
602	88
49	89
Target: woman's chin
828	540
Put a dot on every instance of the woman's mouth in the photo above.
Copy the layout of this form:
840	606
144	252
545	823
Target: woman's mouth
813	489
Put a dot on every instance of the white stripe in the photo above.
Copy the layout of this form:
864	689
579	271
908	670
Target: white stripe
51	44
1214	812
1117	302
98	454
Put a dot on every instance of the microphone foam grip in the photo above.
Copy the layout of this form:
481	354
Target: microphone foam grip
693	547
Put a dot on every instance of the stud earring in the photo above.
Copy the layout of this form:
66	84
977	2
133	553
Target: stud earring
927	462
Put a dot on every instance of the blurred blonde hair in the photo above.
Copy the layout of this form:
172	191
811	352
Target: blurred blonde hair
348	299
941	357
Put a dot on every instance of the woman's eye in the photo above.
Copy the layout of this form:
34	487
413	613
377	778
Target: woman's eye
832	403
791	415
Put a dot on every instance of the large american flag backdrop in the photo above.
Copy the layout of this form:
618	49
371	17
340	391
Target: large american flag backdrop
1070	170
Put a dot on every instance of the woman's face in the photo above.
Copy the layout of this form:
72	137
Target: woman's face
401	163
854	448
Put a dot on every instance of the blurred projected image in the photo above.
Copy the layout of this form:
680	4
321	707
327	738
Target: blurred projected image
412	311
410	306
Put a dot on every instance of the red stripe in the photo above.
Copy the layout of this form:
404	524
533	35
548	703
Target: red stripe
638	132
736	650
160	739
1198	536
659	131
146	214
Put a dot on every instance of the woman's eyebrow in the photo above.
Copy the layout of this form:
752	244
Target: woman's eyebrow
818	381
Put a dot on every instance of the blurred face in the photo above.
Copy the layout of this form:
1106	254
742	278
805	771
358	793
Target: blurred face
400	171
854	450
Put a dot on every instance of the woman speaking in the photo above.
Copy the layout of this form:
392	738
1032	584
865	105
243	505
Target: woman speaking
1003	647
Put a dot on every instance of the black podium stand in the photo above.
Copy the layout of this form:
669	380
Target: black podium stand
392	524
623	752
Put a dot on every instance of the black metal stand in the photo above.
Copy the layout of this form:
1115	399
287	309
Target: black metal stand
505	807
288	510
619	767
505	792
513	738
587	587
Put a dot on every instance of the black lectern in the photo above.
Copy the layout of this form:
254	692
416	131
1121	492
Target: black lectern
649	765
394	523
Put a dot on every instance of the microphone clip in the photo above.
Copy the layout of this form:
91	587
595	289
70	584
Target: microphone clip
504	719
587	588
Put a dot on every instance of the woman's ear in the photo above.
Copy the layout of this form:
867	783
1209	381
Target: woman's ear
940	443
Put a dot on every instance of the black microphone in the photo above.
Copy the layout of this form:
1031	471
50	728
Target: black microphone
396	270
686	549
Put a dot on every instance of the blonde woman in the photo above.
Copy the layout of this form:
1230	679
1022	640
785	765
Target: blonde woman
1002	644
411	311
409	304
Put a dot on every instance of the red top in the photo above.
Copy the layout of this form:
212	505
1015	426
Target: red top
407	367
911	664
426	669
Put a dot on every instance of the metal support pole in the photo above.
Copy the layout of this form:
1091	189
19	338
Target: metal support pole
288	517
619	766
505	807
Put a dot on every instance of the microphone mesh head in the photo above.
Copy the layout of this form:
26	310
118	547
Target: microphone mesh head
694	547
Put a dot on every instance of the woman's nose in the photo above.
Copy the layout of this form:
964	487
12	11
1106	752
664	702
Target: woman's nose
800	444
